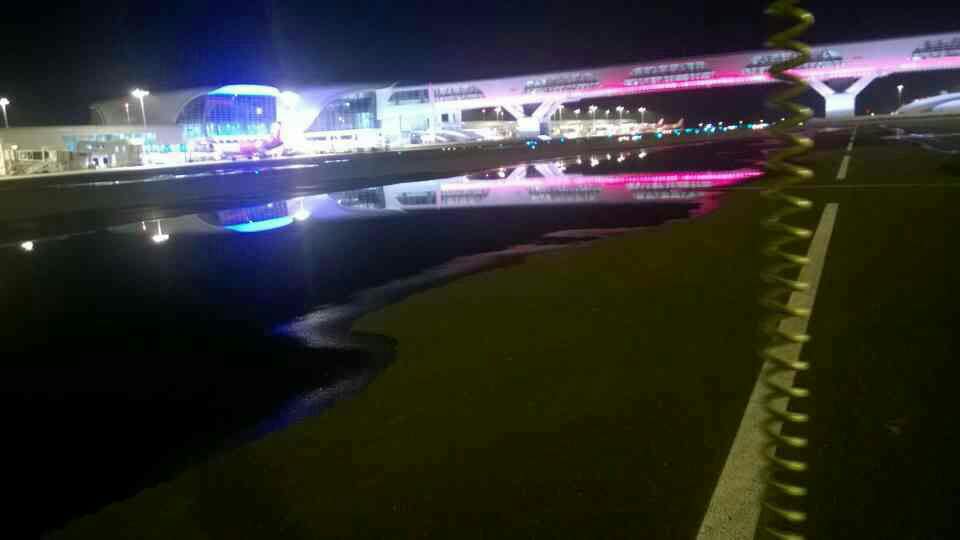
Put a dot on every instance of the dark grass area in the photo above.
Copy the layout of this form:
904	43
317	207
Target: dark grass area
885	429
157	359
586	393
593	393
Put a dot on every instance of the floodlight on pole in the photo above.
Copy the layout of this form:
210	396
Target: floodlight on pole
140	94
3	104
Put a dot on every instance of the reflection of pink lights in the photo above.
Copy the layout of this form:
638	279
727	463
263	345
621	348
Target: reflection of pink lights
716	178
703	179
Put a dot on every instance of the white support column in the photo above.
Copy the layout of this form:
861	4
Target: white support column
549	108
545	109
515	110
820	87
861	83
548	170
529	125
841	104
518	173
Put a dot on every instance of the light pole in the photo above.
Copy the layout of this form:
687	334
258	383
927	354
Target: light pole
3	104
620	112
643	113
900	94
126	108
140	94
560	113
160	237
483	114
593	112
606	113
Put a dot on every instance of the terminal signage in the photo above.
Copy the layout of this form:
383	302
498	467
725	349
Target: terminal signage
937	48
819	59
561	83
453	93
667	73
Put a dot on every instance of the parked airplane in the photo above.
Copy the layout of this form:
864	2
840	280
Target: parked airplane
249	148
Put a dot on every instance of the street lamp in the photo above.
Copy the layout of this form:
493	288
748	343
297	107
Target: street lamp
126	108
899	95
160	237
576	113
302	214
3	104
140	94
620	112
643	113
560	113
483	114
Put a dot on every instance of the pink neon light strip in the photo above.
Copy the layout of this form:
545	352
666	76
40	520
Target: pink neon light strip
709	178
737	79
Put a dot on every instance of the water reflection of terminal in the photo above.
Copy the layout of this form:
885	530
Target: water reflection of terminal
603	179
543	184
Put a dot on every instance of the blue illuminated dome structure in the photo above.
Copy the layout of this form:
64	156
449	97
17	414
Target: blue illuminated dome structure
179	119
251	219
233	110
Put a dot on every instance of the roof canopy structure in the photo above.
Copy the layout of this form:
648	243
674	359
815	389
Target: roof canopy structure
860	61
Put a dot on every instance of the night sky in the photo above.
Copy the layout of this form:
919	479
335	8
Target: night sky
54	62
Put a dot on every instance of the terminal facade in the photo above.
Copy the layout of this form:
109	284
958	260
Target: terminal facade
331	118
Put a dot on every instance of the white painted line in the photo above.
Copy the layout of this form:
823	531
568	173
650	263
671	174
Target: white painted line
853	137
735	505
844	165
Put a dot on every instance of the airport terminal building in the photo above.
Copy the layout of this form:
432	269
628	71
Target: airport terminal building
307	117
192	124
317	118
248	120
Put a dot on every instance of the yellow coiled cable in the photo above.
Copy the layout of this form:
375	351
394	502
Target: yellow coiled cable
784	518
